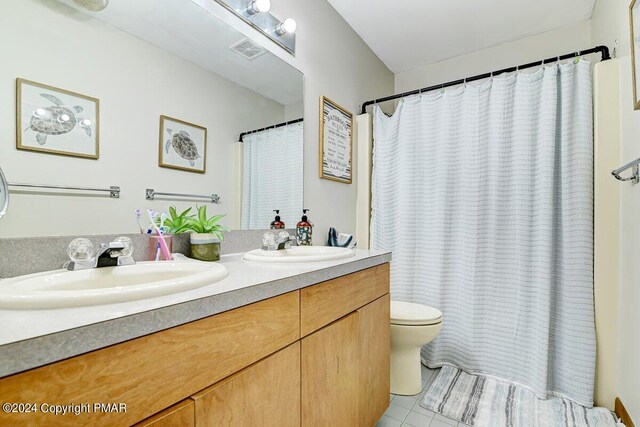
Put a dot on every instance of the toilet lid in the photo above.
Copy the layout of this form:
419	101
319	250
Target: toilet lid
407	313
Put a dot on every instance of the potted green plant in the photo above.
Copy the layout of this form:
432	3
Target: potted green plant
176	224
206	235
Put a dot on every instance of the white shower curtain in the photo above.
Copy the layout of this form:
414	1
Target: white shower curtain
484	194
272	176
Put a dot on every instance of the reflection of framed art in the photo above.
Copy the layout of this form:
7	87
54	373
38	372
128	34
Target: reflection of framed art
336	141
183	145
56	121
634	17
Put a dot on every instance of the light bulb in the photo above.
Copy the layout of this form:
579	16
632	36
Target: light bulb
262	6
287	27
259	6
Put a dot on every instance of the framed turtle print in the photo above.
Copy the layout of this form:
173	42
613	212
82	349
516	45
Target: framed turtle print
56	121
183	145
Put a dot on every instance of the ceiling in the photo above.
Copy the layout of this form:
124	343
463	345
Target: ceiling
183	28
406	34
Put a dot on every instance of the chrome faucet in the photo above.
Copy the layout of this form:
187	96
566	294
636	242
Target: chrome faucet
271	242
113	254
83	256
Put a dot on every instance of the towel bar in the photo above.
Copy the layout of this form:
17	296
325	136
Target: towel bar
635	169
114	191
150	194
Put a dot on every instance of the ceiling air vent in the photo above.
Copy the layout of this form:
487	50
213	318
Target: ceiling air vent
248	49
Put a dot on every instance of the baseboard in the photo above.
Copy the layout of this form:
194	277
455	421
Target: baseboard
622	413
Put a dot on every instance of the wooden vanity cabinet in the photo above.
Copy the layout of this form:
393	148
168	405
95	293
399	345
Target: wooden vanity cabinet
314	357
345	365
156	371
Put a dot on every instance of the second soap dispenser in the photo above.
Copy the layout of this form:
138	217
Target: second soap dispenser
304	230
277	223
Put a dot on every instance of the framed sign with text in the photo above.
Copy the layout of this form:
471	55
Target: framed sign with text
336	141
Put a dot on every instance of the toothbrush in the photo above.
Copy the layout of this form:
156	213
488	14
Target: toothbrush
138	218
161	242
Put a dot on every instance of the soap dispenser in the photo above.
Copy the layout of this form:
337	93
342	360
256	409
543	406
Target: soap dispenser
304	230
277	224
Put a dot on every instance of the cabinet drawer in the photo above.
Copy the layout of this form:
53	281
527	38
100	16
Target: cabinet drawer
266	394
181	414
156	371
326	302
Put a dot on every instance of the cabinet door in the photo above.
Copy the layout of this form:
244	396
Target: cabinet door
266	393
180	414
330	375
374	351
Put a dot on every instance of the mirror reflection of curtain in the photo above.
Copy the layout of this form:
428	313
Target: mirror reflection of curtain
272	176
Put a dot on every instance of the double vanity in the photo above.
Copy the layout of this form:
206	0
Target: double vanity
265	342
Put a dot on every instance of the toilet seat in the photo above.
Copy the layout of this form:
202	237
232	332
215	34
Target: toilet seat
411	314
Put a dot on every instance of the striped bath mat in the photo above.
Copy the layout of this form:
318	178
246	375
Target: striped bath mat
481	401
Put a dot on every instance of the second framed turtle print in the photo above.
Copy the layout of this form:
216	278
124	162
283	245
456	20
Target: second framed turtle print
183	145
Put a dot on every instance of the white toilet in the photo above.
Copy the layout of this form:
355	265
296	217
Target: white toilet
412	326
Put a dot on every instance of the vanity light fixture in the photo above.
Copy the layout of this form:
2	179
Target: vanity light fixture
256	14
287	27
258	6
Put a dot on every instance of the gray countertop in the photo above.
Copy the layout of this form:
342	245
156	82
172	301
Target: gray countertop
32	338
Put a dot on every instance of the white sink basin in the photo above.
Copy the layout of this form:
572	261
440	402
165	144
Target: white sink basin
300	254
62	288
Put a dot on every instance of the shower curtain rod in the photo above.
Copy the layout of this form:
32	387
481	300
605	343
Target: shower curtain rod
243	134
603	50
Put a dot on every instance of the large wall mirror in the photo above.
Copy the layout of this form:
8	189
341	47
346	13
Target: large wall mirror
143	95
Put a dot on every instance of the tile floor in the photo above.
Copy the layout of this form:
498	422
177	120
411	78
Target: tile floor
405	411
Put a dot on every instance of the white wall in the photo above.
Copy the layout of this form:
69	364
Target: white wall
534	48
610	22
606	240
136	82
